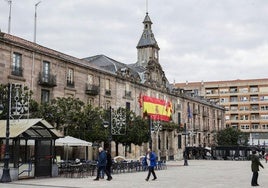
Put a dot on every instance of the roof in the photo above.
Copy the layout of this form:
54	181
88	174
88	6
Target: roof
29	128
110	65
147	37
71	141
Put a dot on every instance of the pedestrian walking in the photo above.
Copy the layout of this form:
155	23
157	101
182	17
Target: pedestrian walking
255	163
151	163
102	162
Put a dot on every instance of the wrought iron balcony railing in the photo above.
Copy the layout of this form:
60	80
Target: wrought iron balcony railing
48	80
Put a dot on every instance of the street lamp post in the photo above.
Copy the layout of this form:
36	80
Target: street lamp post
157	128
185	153
147	116
6	171
108	124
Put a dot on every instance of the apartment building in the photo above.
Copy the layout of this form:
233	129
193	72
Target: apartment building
245	103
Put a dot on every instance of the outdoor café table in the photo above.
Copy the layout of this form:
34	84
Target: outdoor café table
76	169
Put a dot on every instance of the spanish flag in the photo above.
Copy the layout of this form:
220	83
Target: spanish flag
158	109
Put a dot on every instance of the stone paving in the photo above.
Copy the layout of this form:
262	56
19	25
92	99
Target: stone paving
199	174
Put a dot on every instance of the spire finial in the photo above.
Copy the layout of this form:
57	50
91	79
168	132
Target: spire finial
146	6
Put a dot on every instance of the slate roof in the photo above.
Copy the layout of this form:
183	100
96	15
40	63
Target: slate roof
147	37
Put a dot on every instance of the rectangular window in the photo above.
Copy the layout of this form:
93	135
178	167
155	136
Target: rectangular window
90	79
45	96
224	90
107	105
46	71
264	108
90	101
253	117
254	98
243	98
107	84
233	108
263	116
17	64
128	106
264	98
255	126
244	126
233	90
107	87
233	99
243	90
254	107
253	89
243	117
70	77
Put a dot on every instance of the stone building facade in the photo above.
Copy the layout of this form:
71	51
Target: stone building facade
105	82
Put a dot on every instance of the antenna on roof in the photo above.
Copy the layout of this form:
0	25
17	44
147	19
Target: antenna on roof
9	17
146	6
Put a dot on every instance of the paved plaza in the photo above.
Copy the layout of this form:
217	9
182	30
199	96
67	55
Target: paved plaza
199	174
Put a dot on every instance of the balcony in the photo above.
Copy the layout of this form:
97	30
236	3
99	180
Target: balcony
16	71
127	94
47	80
70	84
108	92
92	89
205	114
195	112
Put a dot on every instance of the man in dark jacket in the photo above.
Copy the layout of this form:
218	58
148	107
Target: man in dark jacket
255	163
102	162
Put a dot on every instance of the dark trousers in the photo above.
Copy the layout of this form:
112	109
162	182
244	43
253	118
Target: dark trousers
103	168
254	180
108	168
151	170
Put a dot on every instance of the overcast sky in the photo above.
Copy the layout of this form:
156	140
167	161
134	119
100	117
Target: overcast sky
207	40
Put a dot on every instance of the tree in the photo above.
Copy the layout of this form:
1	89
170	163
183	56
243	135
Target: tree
231	137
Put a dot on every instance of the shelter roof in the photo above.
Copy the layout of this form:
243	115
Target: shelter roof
29	128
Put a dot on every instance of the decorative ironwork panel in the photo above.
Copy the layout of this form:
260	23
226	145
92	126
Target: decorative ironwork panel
118	122
19	101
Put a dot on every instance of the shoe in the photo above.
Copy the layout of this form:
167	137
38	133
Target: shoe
154	178
109	179
146	179
96	179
